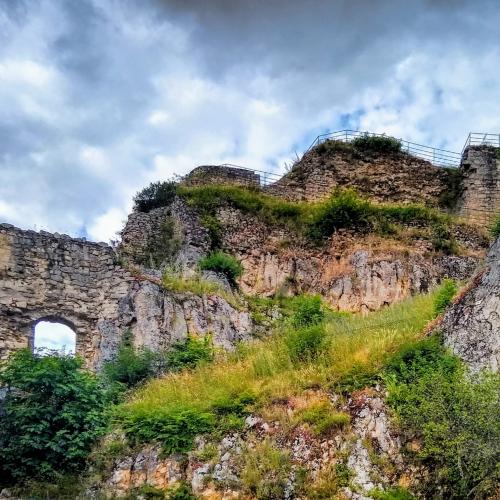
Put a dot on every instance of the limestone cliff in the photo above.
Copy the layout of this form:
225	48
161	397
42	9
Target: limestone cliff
471	326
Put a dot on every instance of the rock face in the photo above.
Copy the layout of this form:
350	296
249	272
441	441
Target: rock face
471	327
354	273
370	448
56	278
171	233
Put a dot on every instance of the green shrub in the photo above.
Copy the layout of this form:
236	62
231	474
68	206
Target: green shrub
454	414
305	343
157	194
329	481
343	210
495	227
52	414
175	428
444	296
182	491
308	311
189	354
130	366
377	144
214	228
223	263
266	471
443	240
323	418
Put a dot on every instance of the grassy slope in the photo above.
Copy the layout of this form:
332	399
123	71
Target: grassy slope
264	368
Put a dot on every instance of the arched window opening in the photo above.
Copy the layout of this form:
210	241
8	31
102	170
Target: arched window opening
54	336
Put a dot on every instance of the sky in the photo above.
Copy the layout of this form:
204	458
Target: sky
98	98
51	336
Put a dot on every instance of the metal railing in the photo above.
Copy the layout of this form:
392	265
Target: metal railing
438	157
482	139
265	178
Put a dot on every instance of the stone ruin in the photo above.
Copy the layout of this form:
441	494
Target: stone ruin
53	277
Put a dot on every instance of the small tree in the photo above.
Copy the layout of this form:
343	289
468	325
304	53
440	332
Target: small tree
52	414
157	194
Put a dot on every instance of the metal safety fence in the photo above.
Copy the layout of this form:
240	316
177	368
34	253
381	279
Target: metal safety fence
436	156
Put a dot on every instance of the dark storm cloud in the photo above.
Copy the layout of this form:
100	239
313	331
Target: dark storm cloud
98	97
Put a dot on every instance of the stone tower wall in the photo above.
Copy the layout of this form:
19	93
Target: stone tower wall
479	201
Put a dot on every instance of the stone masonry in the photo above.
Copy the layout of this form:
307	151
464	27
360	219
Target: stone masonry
480	198
56	278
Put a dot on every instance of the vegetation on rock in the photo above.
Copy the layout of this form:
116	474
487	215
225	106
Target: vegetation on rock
156	195
222	263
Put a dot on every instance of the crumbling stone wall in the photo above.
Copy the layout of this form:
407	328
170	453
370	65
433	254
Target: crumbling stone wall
479	201
391	177
53	277
221	174
144	235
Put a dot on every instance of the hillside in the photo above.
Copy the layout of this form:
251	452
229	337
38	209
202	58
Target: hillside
319	338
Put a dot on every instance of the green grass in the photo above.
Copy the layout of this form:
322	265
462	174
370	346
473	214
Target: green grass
344	209
264	371
199	286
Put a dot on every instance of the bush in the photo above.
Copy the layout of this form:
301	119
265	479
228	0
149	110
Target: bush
266	471
323	418
175	428
343	210
444	296
223	263
305	343
443	240
495	227
157	194
308	311
188	354
454	414
377	144
130	367
182	491
396	493
52	414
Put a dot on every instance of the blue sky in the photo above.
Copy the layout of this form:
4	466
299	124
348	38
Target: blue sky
100	97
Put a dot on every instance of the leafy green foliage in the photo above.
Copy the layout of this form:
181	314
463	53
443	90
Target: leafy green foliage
52	414
344	209
189	354
444	296
223	263
376	144
182	491
308	311
130	366
175	428
266	470
305	343
454	414
495	226
157	194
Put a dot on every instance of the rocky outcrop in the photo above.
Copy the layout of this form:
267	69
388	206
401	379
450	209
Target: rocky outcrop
370	449
471	327
169	235
385	177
